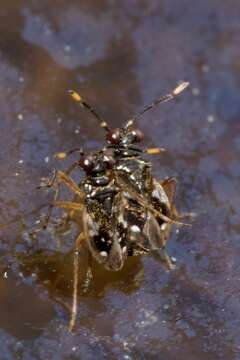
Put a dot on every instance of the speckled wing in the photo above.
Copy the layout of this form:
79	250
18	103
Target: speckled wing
160	199
156	234
169	186
129	220
103	244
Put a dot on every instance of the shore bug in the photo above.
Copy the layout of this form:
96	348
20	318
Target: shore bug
122	209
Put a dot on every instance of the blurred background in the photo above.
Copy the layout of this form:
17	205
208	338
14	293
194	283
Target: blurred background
121	55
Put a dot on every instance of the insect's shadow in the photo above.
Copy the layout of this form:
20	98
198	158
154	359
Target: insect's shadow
54	271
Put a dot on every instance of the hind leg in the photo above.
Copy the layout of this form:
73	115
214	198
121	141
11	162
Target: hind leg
83	236
78	241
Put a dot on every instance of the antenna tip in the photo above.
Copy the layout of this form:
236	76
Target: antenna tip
154	151
180	87
75	95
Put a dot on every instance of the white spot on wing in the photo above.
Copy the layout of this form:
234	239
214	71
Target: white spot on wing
163	226
155	193
135	228
124	249
122	221
103	253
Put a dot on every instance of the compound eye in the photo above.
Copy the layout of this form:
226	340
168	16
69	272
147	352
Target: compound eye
86	163
137	135
114	136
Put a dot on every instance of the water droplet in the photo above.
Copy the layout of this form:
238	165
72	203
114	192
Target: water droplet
20	116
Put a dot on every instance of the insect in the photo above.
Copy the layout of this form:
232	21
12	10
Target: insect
122	209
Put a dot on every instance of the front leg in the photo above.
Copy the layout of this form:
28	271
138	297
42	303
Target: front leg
58	178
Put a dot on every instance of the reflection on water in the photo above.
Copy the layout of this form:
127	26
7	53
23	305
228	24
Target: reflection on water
121	55
55	271
50	273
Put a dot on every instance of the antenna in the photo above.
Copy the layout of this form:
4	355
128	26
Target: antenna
76	97
162	99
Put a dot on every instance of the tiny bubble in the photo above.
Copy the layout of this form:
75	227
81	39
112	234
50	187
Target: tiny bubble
210	118
59	120
20	161
177	231
67	48
21	79
16	174
46	159
174	260
74	348
20	116
205	68
5	275
76	131
195	91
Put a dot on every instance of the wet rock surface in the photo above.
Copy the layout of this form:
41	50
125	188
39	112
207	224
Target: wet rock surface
120	56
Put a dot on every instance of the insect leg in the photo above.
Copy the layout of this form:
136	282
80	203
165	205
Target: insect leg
82	236
162	255
67	172
62	177
49	211
78	241
55	181
69	205
72	208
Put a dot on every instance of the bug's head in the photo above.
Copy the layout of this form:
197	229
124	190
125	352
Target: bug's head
97	164
124	137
